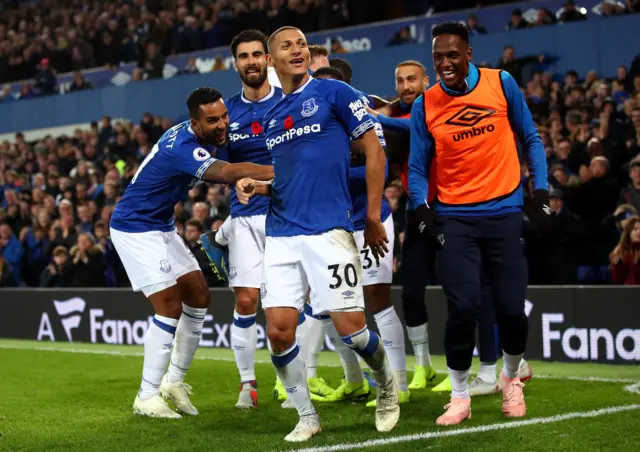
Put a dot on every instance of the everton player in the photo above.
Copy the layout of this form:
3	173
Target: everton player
309	229
376	278
156	259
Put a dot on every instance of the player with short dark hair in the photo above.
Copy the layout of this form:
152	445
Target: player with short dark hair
157	260
309	241
376	281
466	125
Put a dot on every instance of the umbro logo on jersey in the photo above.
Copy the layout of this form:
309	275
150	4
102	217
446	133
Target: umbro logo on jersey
234	126
469	116
309	107
272	123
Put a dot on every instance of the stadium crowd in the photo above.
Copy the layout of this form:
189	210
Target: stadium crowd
57	194
39	40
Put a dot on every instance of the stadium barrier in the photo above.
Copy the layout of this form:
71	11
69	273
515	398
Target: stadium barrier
601	44
569	324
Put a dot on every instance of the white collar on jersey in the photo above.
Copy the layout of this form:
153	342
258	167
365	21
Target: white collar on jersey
299	90
264	99
190	130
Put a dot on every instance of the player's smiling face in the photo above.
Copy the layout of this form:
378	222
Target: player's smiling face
451	57
411	81
212	124
251	63
290	53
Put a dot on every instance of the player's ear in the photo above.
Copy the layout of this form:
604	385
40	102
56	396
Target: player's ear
469	53
235	65
269	60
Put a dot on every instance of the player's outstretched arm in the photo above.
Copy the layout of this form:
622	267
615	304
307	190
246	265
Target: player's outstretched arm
229	173
375	234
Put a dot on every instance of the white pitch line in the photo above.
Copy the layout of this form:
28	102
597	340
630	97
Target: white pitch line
634	389
91	351
472	430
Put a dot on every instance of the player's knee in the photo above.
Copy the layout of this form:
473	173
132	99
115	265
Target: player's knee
246	302
171	309
201	298
463	314
281	338
377	297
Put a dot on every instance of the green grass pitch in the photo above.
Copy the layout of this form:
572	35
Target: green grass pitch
81	401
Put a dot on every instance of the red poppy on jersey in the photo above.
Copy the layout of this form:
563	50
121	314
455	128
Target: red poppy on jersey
288	123
256	128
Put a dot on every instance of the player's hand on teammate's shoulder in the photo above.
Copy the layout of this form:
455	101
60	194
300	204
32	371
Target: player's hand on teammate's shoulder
375	237
245	189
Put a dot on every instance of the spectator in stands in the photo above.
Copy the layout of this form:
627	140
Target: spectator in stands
625	258
570	13
192	232
544	18
475	29
515	66
517	22
11	250
35	241
401	37
190	68
153	64
58	272
218	64
79	83
337	47
6	278
631	193
87	264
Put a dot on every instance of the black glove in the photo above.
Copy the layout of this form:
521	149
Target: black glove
541	218
425	222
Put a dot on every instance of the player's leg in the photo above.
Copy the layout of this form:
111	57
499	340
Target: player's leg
486	382
414	271
195	297
376	281
333	268
459	270
145	259
246	251
215	246
315	336
284	293
504	258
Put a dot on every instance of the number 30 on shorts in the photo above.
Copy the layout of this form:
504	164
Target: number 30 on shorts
350	276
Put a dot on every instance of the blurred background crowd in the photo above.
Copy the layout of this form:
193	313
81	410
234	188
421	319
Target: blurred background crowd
57	193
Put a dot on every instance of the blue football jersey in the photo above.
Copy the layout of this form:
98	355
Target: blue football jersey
177	163
358	180
246	143
308	133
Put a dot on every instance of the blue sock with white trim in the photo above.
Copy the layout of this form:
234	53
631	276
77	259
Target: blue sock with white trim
157	351
290	369
243	342
188	335
367	344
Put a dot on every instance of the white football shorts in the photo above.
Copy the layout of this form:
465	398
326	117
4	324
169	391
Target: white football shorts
326	263
153	260
246	250
381	271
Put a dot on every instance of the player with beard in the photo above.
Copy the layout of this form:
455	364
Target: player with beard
418	257
158	262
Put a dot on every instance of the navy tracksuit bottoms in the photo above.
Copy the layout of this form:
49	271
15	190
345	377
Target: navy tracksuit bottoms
471	245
